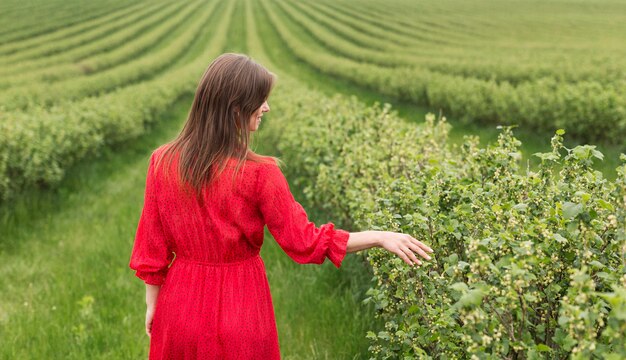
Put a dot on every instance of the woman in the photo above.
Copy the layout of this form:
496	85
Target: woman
207	199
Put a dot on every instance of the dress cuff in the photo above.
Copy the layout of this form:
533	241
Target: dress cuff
338	246
151	278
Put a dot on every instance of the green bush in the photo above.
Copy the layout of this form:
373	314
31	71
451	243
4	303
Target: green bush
528	264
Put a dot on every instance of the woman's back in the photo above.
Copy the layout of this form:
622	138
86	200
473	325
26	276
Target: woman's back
215	301
225	226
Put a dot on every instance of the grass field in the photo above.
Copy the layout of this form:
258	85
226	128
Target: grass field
68	292
87	93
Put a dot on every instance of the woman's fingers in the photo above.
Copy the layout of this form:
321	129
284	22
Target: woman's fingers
423	246
417	247
414	245
407	248
412	257
149	317
403	255
419	251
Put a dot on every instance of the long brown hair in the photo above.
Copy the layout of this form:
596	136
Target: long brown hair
232	88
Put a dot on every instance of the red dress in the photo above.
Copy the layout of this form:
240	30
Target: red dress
215	300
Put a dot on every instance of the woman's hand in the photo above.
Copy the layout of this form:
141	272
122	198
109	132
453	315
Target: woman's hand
405	246
152	293
149	317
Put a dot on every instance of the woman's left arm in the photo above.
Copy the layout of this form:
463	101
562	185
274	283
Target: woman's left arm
152	253
152	292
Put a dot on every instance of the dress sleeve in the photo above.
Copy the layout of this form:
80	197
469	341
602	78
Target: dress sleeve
289	224
151	254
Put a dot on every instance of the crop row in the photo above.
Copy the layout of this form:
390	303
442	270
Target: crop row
91	49
365	44
21	98
526	264
359	30
409	23
38	146
45	20
102	54
589	110
68	31
340	46
21	11
390	34
566	47
81	39
461	59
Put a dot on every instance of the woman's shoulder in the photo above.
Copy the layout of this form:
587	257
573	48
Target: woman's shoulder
157	154
270	162
160	150
271	172
264	162
262	165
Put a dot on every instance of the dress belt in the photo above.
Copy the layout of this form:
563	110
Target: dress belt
206	263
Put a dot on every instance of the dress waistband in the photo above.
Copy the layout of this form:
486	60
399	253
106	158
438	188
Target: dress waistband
205	263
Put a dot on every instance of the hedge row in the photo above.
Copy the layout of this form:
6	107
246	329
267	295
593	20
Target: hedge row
71	30
528	264
75	41
390	48
466	41
36	94
52	17
37	147
97	55
589	110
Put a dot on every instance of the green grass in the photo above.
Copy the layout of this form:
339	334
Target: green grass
61	247
318	308
67	291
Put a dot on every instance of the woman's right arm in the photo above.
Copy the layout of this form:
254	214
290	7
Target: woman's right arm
403	245
305	243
